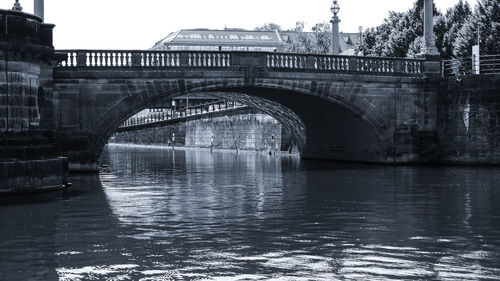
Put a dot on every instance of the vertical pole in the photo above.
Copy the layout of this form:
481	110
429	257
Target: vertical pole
335	35
430	44
39	9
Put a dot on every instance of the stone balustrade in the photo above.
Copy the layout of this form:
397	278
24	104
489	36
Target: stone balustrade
236	60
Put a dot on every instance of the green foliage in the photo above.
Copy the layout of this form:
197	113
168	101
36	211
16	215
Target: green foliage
455	32
486	18
323	38
454	20
269	27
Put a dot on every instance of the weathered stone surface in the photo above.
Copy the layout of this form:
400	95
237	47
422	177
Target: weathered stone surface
331	116
244	129
32	175
469	120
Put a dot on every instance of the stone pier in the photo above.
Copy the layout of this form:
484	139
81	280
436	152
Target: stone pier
28	154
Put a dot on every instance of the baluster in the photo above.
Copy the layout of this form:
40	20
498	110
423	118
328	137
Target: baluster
193	60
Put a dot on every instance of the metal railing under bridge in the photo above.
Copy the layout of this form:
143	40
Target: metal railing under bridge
112	59
179	113
485	64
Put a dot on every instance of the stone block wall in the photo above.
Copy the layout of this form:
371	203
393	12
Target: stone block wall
469	116
243	131
19	82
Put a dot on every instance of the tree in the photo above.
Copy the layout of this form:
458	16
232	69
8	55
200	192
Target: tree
323	36
454	20
486	19
269	27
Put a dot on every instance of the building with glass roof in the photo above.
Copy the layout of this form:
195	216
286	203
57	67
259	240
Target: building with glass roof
221	40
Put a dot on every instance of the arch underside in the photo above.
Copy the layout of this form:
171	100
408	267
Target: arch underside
323	127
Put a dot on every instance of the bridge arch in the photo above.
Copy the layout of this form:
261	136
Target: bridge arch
324	123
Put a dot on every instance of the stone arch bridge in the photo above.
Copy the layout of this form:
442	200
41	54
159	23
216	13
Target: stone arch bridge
380	110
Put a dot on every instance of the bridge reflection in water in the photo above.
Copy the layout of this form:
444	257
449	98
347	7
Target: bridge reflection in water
164	214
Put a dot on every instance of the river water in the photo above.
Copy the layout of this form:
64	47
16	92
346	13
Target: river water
158	214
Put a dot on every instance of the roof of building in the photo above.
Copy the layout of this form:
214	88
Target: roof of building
234	37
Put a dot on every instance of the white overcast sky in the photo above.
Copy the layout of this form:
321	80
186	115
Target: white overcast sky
138	24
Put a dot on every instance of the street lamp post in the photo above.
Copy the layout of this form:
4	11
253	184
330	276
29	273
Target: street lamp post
39	9
335	28
429	41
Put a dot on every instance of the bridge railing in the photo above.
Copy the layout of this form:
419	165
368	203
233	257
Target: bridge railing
172	114
487	64
231	60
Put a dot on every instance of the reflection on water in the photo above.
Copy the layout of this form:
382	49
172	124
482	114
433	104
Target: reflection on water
156	214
